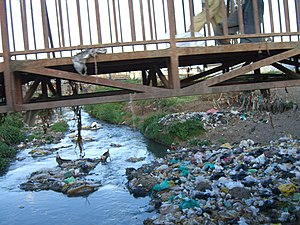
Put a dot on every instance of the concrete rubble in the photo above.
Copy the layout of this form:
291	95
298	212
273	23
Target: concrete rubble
243	183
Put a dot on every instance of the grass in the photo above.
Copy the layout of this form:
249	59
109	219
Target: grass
60	126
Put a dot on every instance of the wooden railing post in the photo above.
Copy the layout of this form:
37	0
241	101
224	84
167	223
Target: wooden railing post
8	76
173	66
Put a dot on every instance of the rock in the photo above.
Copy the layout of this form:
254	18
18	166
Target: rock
135	159
203	185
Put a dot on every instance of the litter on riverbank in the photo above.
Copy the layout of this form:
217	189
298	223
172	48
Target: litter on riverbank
244	183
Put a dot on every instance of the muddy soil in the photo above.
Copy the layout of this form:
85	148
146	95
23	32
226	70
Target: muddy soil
263	127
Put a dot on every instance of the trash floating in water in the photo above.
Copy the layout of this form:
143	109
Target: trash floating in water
241	183
68	178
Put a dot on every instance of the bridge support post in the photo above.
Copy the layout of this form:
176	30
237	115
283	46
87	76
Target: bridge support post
18	96
173	74
8	76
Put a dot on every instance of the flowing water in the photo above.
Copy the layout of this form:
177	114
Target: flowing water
110	204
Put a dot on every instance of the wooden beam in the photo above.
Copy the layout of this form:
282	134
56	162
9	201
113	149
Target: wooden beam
289	73
31	90
153	95
161	76
90	79
253	66
51	87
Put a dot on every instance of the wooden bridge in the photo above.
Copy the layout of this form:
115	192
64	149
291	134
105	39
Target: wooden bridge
153	37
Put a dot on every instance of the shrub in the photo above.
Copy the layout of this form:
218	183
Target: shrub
11	132
153	130
14	120
176	131
4	162
11	135
11	128
6	151
186	129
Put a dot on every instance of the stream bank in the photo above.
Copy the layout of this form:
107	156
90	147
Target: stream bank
110	204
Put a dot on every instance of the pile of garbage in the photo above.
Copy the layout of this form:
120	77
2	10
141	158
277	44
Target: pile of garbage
211	119
68	178
242	184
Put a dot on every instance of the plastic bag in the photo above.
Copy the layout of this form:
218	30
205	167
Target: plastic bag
184	171
69	180
162	186
189	204
287	189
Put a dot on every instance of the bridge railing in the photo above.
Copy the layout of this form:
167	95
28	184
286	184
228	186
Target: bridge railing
57	28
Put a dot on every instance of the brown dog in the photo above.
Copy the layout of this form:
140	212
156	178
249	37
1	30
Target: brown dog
105	156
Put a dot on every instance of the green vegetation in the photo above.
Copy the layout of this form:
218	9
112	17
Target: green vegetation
110	112
60	126
199	143
174	132
11	132
6	153
222	140
11	129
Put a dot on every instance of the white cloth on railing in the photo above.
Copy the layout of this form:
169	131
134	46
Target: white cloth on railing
79	60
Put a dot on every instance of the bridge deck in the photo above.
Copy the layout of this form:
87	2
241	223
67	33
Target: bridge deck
33	77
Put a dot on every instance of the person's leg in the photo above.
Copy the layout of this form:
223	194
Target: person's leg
249	21
200	19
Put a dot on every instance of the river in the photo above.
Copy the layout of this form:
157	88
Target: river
110	204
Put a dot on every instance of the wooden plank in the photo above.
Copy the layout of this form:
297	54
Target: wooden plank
116	57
